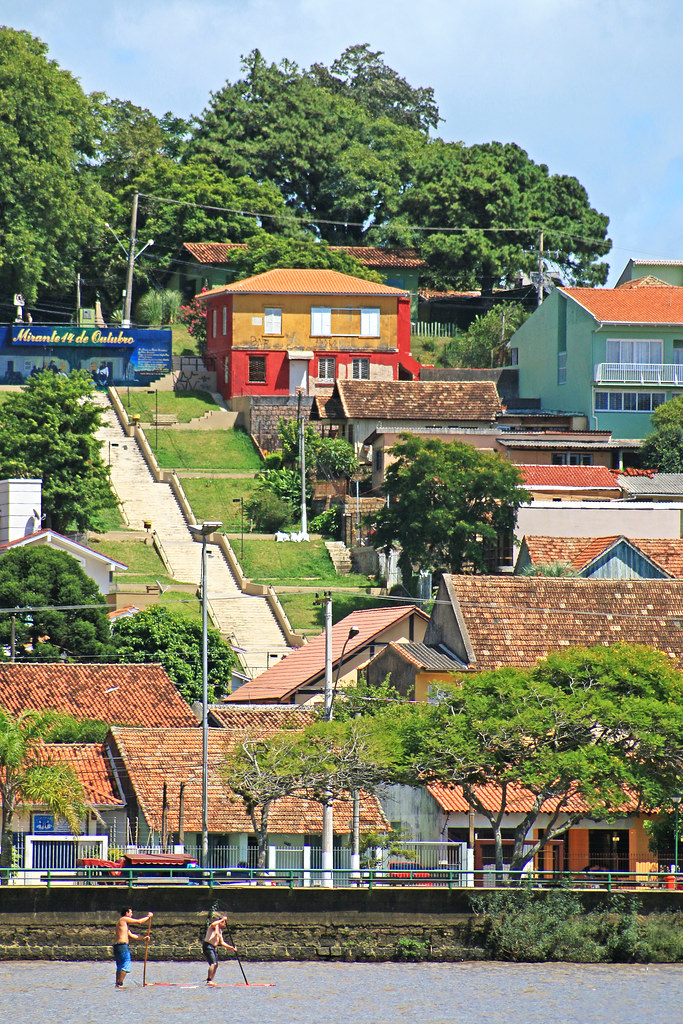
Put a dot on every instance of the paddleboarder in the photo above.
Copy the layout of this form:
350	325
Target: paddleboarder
212	940
121	943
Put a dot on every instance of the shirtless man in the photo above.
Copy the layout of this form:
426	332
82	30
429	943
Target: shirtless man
121	947
212	940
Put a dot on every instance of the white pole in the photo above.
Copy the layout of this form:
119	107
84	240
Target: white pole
205	716
125	320
328	813
302	463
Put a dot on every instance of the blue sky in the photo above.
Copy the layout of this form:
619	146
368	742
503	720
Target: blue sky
589	87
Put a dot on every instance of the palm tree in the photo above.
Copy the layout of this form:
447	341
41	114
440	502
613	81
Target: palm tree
27	775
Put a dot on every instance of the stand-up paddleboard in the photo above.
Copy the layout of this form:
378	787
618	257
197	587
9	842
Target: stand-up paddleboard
182	984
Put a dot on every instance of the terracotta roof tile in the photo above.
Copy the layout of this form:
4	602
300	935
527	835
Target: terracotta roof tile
517	620
422	656
307	663
139	694
368	255
569	477
520	800
580	551
306	282
630	305
154	756
431	401
93	768
260	719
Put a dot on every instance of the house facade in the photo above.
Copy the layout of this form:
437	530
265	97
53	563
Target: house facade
612	354
287	332
614	557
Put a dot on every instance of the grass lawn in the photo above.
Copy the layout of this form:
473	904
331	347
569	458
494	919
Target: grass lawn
306	617
205	449
186	405
144	564
183	343
213	498
290	564
109	519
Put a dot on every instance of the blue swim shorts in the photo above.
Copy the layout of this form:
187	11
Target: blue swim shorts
122	957
210	953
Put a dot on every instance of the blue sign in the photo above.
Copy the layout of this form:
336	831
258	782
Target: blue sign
43	823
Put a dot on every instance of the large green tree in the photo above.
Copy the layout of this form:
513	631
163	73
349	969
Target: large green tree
27	775
448	504
158	634
48	430
604	725
266	252
663	448
332	159
48	205
482	209
43	578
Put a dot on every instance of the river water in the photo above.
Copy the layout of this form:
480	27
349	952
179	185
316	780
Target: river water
318	993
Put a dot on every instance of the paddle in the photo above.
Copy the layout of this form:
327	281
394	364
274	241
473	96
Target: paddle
232	943
144	969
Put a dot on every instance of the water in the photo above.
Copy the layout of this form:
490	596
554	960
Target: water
36	993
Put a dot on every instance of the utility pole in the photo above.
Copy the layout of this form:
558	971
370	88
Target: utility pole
78	300
125	322
328	811
302	464
540	269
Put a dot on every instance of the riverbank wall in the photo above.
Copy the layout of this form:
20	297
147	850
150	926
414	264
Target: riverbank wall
272	923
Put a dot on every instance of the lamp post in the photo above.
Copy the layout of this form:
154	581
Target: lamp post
240	501
156	417
203	530
676	801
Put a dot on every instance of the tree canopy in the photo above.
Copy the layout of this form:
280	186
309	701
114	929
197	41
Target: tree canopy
48	207
663	448
44	578
47	430
448	503
158	634
28	775
601	724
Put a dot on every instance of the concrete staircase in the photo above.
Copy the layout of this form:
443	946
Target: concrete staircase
247	621
341	558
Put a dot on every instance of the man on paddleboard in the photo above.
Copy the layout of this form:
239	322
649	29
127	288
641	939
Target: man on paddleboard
121	943
212	940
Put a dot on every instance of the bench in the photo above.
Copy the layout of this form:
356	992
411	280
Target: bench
165	419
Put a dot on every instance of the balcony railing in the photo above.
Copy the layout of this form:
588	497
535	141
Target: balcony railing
639	373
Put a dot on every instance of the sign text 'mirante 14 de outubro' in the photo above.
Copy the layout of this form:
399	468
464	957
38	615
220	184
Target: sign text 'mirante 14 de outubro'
71	336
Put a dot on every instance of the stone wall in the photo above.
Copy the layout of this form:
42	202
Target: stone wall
77	923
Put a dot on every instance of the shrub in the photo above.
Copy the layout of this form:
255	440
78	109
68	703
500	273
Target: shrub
268	511
328	523
158	306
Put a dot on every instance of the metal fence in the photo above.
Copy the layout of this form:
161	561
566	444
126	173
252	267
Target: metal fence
422	329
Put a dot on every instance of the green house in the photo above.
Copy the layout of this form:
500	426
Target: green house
611	354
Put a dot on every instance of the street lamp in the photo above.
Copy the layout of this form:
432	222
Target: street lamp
203	530
676	801
235	501
156	417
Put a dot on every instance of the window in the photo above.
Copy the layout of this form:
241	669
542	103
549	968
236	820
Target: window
628	401
561	367
321	321
272	321
225	320
514	357
257	369
572	459
621	351
326	368
379	460
678	353
360	369
213	323
369	323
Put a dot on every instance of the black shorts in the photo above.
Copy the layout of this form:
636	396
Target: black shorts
210	954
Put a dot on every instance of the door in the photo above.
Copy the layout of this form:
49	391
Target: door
298	375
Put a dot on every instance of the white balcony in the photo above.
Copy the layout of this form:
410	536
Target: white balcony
670	374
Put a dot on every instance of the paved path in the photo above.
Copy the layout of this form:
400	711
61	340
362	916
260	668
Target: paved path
248	621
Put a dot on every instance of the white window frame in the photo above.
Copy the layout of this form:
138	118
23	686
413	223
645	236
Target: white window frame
645	402
272	320
225	320
214	333
624	351
324	365
321	321
369	322
360	369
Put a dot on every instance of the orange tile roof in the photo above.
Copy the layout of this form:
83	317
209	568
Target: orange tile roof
579	552
260	719
139	694
151	757
652	305
368	255
93	768
453	400
519	800
305	282
569	477
517	620
307	663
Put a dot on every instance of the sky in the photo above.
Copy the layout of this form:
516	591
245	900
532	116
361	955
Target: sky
590	88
